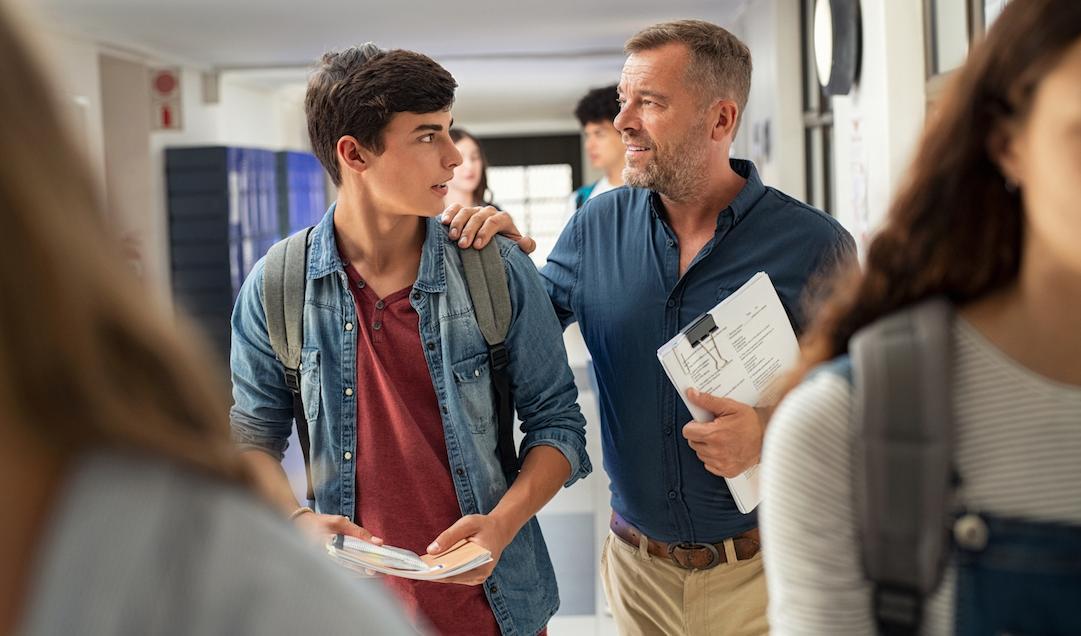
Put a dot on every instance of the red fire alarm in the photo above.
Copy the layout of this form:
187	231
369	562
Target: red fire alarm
165	98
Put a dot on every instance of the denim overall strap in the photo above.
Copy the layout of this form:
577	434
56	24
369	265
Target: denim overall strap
1017	577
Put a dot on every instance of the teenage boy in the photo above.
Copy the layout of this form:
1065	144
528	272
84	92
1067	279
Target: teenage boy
395	374
603	142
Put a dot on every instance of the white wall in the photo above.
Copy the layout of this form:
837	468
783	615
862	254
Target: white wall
73	63
877	126
771	30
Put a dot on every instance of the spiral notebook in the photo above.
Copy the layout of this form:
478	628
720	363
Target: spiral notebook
361	556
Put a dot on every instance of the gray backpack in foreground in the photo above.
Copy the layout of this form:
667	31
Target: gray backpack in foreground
904	494
284	279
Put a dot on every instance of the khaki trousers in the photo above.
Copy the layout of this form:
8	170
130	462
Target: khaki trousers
650	596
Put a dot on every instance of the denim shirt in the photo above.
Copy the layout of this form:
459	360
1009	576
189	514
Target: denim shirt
615	270
522	590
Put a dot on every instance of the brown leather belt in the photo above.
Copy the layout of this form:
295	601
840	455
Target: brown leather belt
690	556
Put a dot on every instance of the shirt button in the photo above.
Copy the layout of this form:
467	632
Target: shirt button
348	391
476	373
667	430
360	283
416	295
431	346
348	326
348	455
377	326
460	472
494	588
671	494
671	303
671	243
380	304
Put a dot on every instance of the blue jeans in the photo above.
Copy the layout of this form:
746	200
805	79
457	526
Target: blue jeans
1027	580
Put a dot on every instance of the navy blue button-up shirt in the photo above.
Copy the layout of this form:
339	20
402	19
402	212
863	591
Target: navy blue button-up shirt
615	270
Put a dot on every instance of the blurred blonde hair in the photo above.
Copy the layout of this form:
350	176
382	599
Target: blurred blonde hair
87	358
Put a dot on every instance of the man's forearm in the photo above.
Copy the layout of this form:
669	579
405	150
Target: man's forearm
271	481
543	473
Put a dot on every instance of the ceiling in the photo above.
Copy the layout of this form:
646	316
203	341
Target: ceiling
514	61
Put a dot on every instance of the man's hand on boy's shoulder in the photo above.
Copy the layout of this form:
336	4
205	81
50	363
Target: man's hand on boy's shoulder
484	530
477	226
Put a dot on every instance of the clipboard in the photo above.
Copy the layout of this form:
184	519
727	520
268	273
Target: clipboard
734	350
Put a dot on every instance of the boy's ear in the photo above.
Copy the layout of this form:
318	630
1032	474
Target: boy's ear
352	156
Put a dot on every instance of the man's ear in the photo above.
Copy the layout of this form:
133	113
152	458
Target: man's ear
1002	147
724	115
352	156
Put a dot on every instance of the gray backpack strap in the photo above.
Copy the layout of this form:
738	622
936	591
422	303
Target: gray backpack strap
284	277
901	378
487	281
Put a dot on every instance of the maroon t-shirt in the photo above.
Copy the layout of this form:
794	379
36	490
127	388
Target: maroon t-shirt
404	490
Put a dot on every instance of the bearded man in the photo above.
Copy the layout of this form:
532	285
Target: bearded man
633	267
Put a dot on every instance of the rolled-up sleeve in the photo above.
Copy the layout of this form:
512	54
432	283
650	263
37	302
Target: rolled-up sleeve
262	413
545	394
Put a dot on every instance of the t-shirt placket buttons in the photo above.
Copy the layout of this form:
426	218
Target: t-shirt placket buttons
377	321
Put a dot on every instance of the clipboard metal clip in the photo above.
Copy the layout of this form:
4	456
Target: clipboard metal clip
700	329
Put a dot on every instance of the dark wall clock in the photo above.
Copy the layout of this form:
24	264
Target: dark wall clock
837	44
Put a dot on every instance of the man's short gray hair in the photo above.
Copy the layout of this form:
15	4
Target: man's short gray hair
720	63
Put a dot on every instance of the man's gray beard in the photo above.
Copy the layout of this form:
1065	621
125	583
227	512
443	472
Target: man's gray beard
676	175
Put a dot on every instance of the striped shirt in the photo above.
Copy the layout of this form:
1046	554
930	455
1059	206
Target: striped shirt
1018	443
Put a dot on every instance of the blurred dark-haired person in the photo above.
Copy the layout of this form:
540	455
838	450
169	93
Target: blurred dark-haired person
396	377
603	142
989	221
636	265
125	508
469	187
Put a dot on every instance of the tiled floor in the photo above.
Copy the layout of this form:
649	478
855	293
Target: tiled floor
582	626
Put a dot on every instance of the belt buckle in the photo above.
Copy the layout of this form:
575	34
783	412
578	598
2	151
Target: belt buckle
715	556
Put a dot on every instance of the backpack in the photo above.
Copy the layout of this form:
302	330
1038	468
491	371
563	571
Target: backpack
284	280
1013	575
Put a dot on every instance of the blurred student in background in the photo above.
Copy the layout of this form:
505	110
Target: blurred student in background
604	144
988	220
469	187
125	507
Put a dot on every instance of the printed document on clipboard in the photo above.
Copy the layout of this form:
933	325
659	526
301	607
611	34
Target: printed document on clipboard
735	350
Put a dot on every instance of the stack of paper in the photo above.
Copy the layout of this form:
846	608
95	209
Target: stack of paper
735	350
360	556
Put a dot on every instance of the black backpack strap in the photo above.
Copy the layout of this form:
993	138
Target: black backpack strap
284	279
902	402
487	281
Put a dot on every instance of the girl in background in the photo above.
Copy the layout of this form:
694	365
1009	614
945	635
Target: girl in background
469	187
